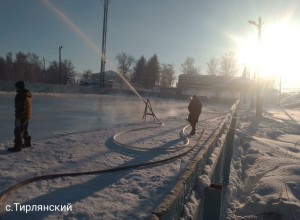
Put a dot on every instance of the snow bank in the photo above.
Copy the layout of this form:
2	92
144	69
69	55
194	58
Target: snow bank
265	176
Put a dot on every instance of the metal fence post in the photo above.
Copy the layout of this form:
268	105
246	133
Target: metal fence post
212	203
229	148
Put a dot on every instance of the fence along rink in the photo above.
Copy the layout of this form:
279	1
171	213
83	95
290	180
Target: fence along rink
9	86
210	167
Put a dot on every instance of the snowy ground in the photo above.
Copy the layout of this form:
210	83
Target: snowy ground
59	147
74	133
265	171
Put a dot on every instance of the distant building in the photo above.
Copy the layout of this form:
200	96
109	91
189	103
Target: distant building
213	86
111	79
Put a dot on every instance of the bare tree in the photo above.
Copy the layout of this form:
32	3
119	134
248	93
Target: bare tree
68	72
167	76
9	67
27	67
34	68
125	62
20	65
52	73
228	65
87	74
2	69
212	66
188	67
30	68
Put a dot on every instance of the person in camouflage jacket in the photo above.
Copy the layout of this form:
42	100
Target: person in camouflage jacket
23	112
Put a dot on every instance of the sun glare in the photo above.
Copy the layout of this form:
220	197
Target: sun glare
277	56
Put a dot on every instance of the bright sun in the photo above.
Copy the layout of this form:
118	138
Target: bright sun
279	55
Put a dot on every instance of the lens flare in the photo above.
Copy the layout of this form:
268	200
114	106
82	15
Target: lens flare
74	28
84	38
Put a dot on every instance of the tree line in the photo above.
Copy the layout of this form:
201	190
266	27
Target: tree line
146	73
225	66
151	73
30	68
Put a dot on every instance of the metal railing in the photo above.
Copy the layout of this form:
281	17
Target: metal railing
212	164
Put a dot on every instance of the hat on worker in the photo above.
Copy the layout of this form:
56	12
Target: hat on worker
20	85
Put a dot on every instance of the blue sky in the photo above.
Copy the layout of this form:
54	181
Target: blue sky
172	29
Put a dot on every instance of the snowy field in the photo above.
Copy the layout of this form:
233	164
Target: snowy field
74	133
265	170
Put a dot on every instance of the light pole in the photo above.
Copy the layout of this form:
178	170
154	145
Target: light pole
258	90
45	71
103	54
279	98
170	71
59	49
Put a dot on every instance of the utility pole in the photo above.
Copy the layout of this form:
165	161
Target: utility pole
103	54
258	81
44	69
244	78
170	71
279	98
44	64
59	49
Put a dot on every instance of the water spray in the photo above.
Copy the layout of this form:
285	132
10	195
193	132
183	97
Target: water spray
147	102
103	56
88	41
